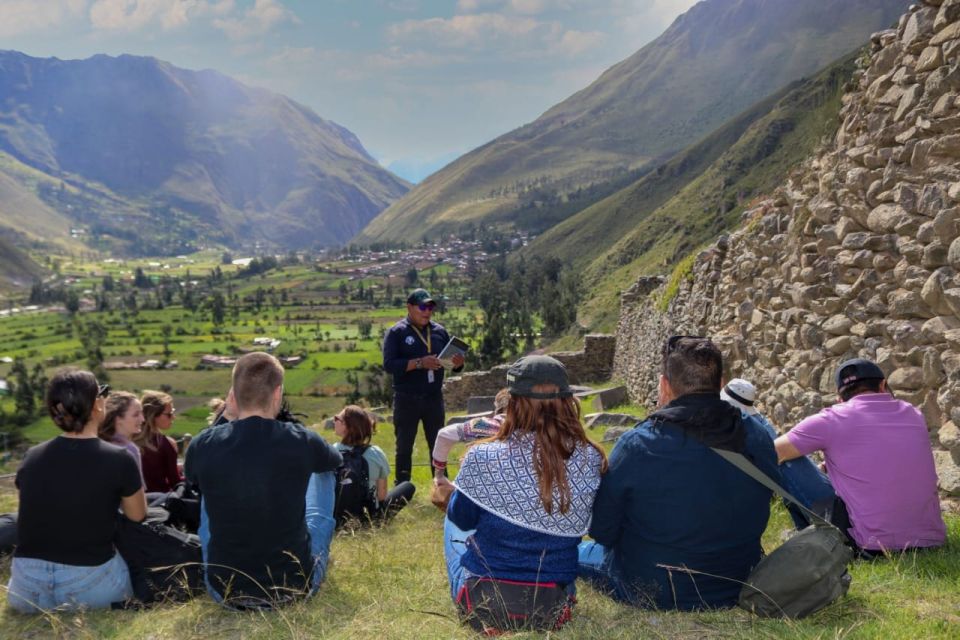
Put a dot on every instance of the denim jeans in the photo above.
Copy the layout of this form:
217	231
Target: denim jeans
40	585
597	570
454	546
319	501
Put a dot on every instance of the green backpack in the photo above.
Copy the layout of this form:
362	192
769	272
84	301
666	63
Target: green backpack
805	573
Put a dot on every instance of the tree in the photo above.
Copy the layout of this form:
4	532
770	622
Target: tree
165	331
72	303
92	336
412	276
24	398
217	308
141	280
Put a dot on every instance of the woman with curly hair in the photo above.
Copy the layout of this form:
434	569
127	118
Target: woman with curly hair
158	452
70	489
523	498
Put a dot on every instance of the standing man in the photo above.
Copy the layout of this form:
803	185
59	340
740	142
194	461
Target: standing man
268	495
410	350
878	458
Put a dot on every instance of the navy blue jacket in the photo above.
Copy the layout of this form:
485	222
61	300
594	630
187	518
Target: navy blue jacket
401	344
667	499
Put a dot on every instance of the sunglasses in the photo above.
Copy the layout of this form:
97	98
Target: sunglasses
427	307
673	341
337	419
103	390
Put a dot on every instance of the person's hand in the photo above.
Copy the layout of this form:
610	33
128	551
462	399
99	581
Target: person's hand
458	361
431	362
440	493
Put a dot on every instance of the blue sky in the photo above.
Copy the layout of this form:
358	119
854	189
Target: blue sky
419	81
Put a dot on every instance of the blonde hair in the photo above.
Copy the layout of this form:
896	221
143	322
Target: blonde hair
255	377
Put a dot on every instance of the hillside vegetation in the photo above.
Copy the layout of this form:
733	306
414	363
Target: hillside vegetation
151	159
714	61
650	225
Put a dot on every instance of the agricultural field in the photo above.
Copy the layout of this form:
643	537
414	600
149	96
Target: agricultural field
158	324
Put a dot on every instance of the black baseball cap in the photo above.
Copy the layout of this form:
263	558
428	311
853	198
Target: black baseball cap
529	371
419	296
853	371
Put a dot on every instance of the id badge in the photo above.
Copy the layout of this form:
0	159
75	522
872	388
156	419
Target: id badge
430	376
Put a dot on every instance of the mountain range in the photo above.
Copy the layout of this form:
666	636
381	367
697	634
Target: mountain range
134	155
711	64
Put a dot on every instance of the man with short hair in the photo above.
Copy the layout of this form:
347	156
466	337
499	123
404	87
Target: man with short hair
879	460
675	525
410	350
268	495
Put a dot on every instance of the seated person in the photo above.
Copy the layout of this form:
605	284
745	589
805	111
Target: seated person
355	427
800	477
158	452
70	489
675	526
268	493
879	460
122	422
523	500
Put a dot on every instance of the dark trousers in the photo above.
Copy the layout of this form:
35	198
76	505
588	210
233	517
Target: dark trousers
408	411
397	498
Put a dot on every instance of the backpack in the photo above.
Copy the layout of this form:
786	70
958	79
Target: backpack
8	533
354	498
165	563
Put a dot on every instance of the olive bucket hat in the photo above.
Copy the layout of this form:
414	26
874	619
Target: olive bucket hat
530	371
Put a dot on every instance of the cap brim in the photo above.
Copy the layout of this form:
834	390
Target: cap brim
750	411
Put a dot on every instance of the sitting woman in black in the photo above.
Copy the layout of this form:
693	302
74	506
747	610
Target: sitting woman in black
70	488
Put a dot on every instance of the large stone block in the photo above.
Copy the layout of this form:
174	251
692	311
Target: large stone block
480	404
948	473
612	397
949	436
906	379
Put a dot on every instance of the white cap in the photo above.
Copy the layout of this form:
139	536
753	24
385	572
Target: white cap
741	394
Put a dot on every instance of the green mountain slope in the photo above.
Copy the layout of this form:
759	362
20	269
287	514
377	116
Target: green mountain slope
149	157
651	235
17	270
714	61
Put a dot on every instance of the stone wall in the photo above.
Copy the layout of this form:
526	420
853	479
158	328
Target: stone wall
594	363
858	254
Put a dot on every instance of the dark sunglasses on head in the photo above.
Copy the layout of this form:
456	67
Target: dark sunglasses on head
673	341
427	306
103	390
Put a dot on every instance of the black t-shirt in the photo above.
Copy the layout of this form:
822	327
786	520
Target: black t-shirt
70	489
253	475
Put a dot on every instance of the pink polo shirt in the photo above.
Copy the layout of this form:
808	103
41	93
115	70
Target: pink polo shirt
880	463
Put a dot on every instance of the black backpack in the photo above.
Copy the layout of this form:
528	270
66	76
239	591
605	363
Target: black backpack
165	563
354	496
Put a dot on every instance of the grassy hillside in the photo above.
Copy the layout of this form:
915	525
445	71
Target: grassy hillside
715	61
17	270
639	231
151	159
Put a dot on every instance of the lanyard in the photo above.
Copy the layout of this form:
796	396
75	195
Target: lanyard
426	341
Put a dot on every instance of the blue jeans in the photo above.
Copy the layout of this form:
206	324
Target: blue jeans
596	569
319	501
802	479
454	546
40	585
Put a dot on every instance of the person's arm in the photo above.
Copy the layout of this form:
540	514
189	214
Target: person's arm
325	455
135	507
613	496
381	489
463	511
393	361
170	471
446	438
785	449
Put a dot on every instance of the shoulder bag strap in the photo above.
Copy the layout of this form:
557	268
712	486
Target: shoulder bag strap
740	462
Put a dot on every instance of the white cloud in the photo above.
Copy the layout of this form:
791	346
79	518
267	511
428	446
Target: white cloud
521	7
134	15
23	16
263	16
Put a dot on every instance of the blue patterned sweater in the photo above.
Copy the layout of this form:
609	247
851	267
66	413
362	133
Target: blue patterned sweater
504	550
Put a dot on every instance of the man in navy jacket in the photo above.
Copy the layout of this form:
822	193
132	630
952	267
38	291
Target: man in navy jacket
410	350
675	525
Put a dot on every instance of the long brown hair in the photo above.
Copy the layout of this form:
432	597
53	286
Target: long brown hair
117	404
557	432
359	425
154	402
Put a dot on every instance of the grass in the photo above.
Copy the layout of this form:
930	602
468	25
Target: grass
391	583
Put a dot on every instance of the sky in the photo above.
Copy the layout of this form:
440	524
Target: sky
419	81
